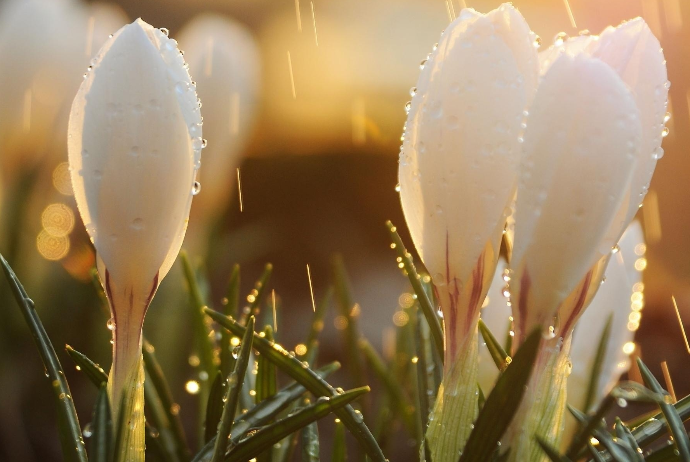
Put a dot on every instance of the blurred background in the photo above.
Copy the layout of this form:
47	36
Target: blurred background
307	100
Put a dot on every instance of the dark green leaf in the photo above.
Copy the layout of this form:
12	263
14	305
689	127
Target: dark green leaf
93	371
397	397
231	308
666	454
624	434
101	443
273	433
232	395
159	382
310	441
422	298
502	404
550	451
68	422
311	381
264	412
348	310
587	425
157	416
653	427
266	376
258	293
673	419
201	332
598	365
595	453
339	446
498	354
214	408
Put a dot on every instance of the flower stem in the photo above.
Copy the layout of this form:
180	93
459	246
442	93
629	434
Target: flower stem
126	380
456	407
543	407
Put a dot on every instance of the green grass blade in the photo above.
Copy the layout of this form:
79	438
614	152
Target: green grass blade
317	318
396	394
266	376
550	451
598	365
624	433
214	407
203	342
101	443
68	423
616	450
311	381
232	395
422	298
339	446
502	403
665	454
596	456
159	382
653	427
498	354
348	309
258	294
310	441
587	427
93	371
425	379
231	308
264	412
159	418
275	432
673	419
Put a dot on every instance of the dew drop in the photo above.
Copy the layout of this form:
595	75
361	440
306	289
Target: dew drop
137	224
658	153
165	31
560	38
196	188
665	132
110	324
413	91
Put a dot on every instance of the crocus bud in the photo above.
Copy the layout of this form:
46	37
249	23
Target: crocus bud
224	59
459	160
458	173
634	53
580	149
134	146
46	42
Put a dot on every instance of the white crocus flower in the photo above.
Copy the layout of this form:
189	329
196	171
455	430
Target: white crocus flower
134	145
579	153
633	52
458	173
616	298
224	59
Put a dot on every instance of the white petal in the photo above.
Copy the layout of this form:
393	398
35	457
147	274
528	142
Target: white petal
225	62
572	47
132	156
459	157
633	51
579	152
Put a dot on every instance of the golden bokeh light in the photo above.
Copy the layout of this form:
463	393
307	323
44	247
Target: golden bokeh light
52	247
57	220
61	179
